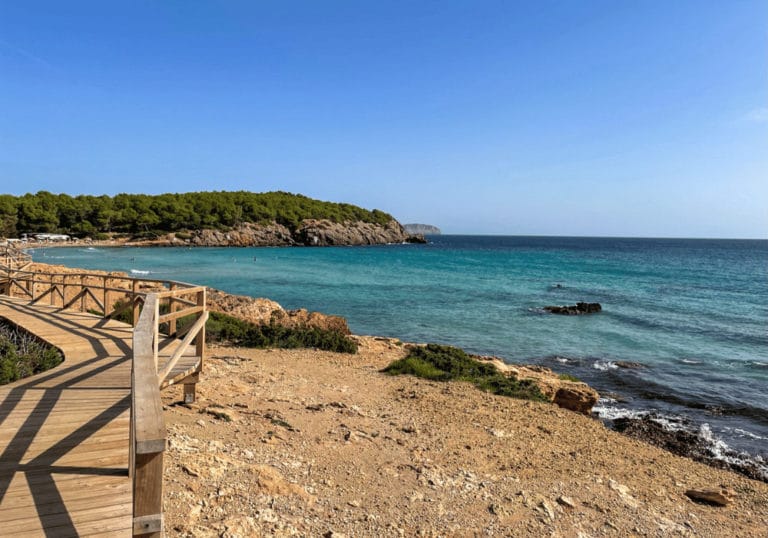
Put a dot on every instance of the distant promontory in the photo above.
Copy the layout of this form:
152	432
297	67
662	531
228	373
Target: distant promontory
423	229
200	219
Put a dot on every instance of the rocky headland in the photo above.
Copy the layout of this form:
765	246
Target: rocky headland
423	229
310	233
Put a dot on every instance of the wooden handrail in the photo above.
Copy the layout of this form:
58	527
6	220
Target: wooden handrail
191	335
143	298
148	433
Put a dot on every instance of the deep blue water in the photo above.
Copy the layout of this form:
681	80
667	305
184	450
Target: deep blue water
693	312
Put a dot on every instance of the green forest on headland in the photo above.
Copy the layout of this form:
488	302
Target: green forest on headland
142	214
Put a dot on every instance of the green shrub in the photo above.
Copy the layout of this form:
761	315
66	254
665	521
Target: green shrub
22	354
569	377
98	236
227	329
447	363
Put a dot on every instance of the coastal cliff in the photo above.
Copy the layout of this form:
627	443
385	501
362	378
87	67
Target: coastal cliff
309	233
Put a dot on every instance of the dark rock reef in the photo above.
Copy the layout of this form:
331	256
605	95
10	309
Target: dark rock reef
575	310
685	441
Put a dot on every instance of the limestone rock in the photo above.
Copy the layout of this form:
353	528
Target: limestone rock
263	311
244	235
321	232
718	497
574	395
256	310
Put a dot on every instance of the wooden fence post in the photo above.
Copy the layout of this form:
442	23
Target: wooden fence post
147	427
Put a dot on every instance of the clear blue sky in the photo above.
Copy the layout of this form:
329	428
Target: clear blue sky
630	118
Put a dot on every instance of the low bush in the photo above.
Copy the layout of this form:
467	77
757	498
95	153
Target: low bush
230	330
23	354
447	363
568	377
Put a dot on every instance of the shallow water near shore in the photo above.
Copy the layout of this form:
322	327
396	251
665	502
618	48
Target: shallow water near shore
693	314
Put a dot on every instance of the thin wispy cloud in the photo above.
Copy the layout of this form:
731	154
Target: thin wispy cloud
25	54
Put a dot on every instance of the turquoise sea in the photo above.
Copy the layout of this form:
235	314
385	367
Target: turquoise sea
693	313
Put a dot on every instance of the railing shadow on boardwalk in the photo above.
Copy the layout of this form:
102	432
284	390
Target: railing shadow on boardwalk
154	331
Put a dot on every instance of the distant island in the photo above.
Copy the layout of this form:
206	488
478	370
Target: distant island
199	219
423	229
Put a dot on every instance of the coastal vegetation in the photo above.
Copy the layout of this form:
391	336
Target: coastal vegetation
148	215
221	328
447	363
22	354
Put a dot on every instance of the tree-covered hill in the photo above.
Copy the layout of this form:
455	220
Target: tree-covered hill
146	214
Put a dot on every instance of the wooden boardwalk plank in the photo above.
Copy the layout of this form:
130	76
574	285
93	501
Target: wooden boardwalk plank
64	433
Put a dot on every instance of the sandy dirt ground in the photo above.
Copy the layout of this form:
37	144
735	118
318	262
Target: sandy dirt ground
310	443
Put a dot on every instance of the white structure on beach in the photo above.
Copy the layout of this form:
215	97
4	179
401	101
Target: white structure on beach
56	238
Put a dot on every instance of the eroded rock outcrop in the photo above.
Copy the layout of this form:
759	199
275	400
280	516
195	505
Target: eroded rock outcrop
574	395
264	311
314	232
310	232
245	235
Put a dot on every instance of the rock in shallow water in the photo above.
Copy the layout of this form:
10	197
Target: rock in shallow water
575	310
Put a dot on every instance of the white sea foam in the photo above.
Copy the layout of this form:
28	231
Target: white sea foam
690	361
745	433
139	272
604	366
718	449
607	412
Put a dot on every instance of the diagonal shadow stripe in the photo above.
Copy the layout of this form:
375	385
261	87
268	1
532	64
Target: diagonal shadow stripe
86	430
57	523
71	326
20	444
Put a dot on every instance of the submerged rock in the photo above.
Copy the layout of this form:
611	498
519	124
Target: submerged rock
630	365
575	310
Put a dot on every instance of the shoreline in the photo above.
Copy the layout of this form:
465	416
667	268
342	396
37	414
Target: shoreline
679	438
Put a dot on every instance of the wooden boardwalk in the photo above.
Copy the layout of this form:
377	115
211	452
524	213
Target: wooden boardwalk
64	433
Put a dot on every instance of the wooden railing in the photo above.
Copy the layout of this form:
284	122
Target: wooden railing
168	318
14	258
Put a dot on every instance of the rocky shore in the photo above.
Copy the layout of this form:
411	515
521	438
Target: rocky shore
310	233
